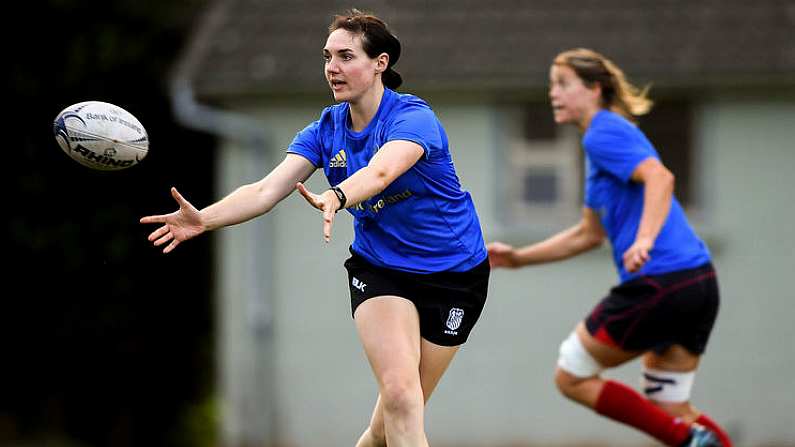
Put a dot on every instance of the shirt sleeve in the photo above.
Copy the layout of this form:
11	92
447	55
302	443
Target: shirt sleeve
307	144
616	151
419	125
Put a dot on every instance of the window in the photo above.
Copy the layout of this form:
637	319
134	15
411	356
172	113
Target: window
544	162
542	165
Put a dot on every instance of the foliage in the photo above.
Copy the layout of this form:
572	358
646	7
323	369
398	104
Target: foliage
106	341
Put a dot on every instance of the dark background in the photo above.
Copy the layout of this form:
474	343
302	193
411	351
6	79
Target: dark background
105	341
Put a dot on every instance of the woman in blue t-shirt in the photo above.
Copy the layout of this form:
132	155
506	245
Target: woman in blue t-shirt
667	300
418	271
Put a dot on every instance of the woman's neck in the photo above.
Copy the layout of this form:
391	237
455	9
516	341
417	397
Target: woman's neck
363	110
585	122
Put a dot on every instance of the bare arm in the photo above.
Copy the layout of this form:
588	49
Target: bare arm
584	236
245	203
657	196
390	162
255	199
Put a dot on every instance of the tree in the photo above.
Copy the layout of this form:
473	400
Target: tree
99	349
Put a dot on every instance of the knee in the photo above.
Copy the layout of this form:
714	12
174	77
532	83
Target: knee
575	359
567	384
401	394
575	366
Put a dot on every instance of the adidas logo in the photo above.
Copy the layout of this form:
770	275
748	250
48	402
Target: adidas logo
339	160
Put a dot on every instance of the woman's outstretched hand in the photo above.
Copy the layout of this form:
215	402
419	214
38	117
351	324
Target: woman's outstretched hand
327	203
502	255
181	225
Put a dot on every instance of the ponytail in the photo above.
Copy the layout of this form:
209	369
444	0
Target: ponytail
391	79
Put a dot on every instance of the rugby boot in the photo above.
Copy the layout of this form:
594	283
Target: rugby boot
701	437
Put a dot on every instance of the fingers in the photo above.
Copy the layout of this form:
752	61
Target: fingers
153	219
629	263
165	238
177	196
500	255
328	212
171	246
498	247
158	233
306	193
161	236
634	259
328	221
161	218
164	234
638	254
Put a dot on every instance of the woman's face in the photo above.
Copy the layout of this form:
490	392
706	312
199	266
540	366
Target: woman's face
349	70
572	101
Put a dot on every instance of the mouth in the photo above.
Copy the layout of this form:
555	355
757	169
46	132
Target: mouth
336	84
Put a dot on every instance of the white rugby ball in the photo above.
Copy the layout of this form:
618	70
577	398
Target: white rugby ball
101	136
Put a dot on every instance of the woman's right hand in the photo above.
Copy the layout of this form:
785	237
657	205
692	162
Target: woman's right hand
502	255
181	225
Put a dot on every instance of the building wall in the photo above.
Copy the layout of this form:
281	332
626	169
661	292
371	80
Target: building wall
499	389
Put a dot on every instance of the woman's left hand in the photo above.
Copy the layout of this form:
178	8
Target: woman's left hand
637	255
502	255
327	203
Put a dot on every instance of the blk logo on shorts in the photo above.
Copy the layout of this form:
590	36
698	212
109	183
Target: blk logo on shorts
454	320
358	284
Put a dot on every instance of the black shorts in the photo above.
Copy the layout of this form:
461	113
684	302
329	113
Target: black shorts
655	312
448	303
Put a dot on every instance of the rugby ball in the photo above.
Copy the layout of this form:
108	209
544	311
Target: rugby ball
101	136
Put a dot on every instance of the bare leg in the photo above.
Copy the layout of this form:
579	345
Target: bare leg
678	359
586	390
615	400
434	360
389	330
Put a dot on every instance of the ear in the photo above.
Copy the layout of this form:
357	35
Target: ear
596	91
381	63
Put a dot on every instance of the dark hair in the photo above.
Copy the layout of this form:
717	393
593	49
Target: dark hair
618	94
376	39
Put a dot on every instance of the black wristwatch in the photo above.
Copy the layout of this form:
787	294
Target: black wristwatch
340	196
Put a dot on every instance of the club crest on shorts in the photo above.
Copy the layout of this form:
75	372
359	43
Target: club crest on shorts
454	319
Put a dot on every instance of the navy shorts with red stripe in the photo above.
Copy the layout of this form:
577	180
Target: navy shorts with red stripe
655	312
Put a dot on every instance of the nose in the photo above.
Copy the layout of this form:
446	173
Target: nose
332	66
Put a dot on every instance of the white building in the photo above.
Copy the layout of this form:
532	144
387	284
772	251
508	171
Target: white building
723	73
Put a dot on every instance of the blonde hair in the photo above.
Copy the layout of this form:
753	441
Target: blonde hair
618	94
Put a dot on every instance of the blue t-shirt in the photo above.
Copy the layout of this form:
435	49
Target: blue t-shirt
614	147
423	222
